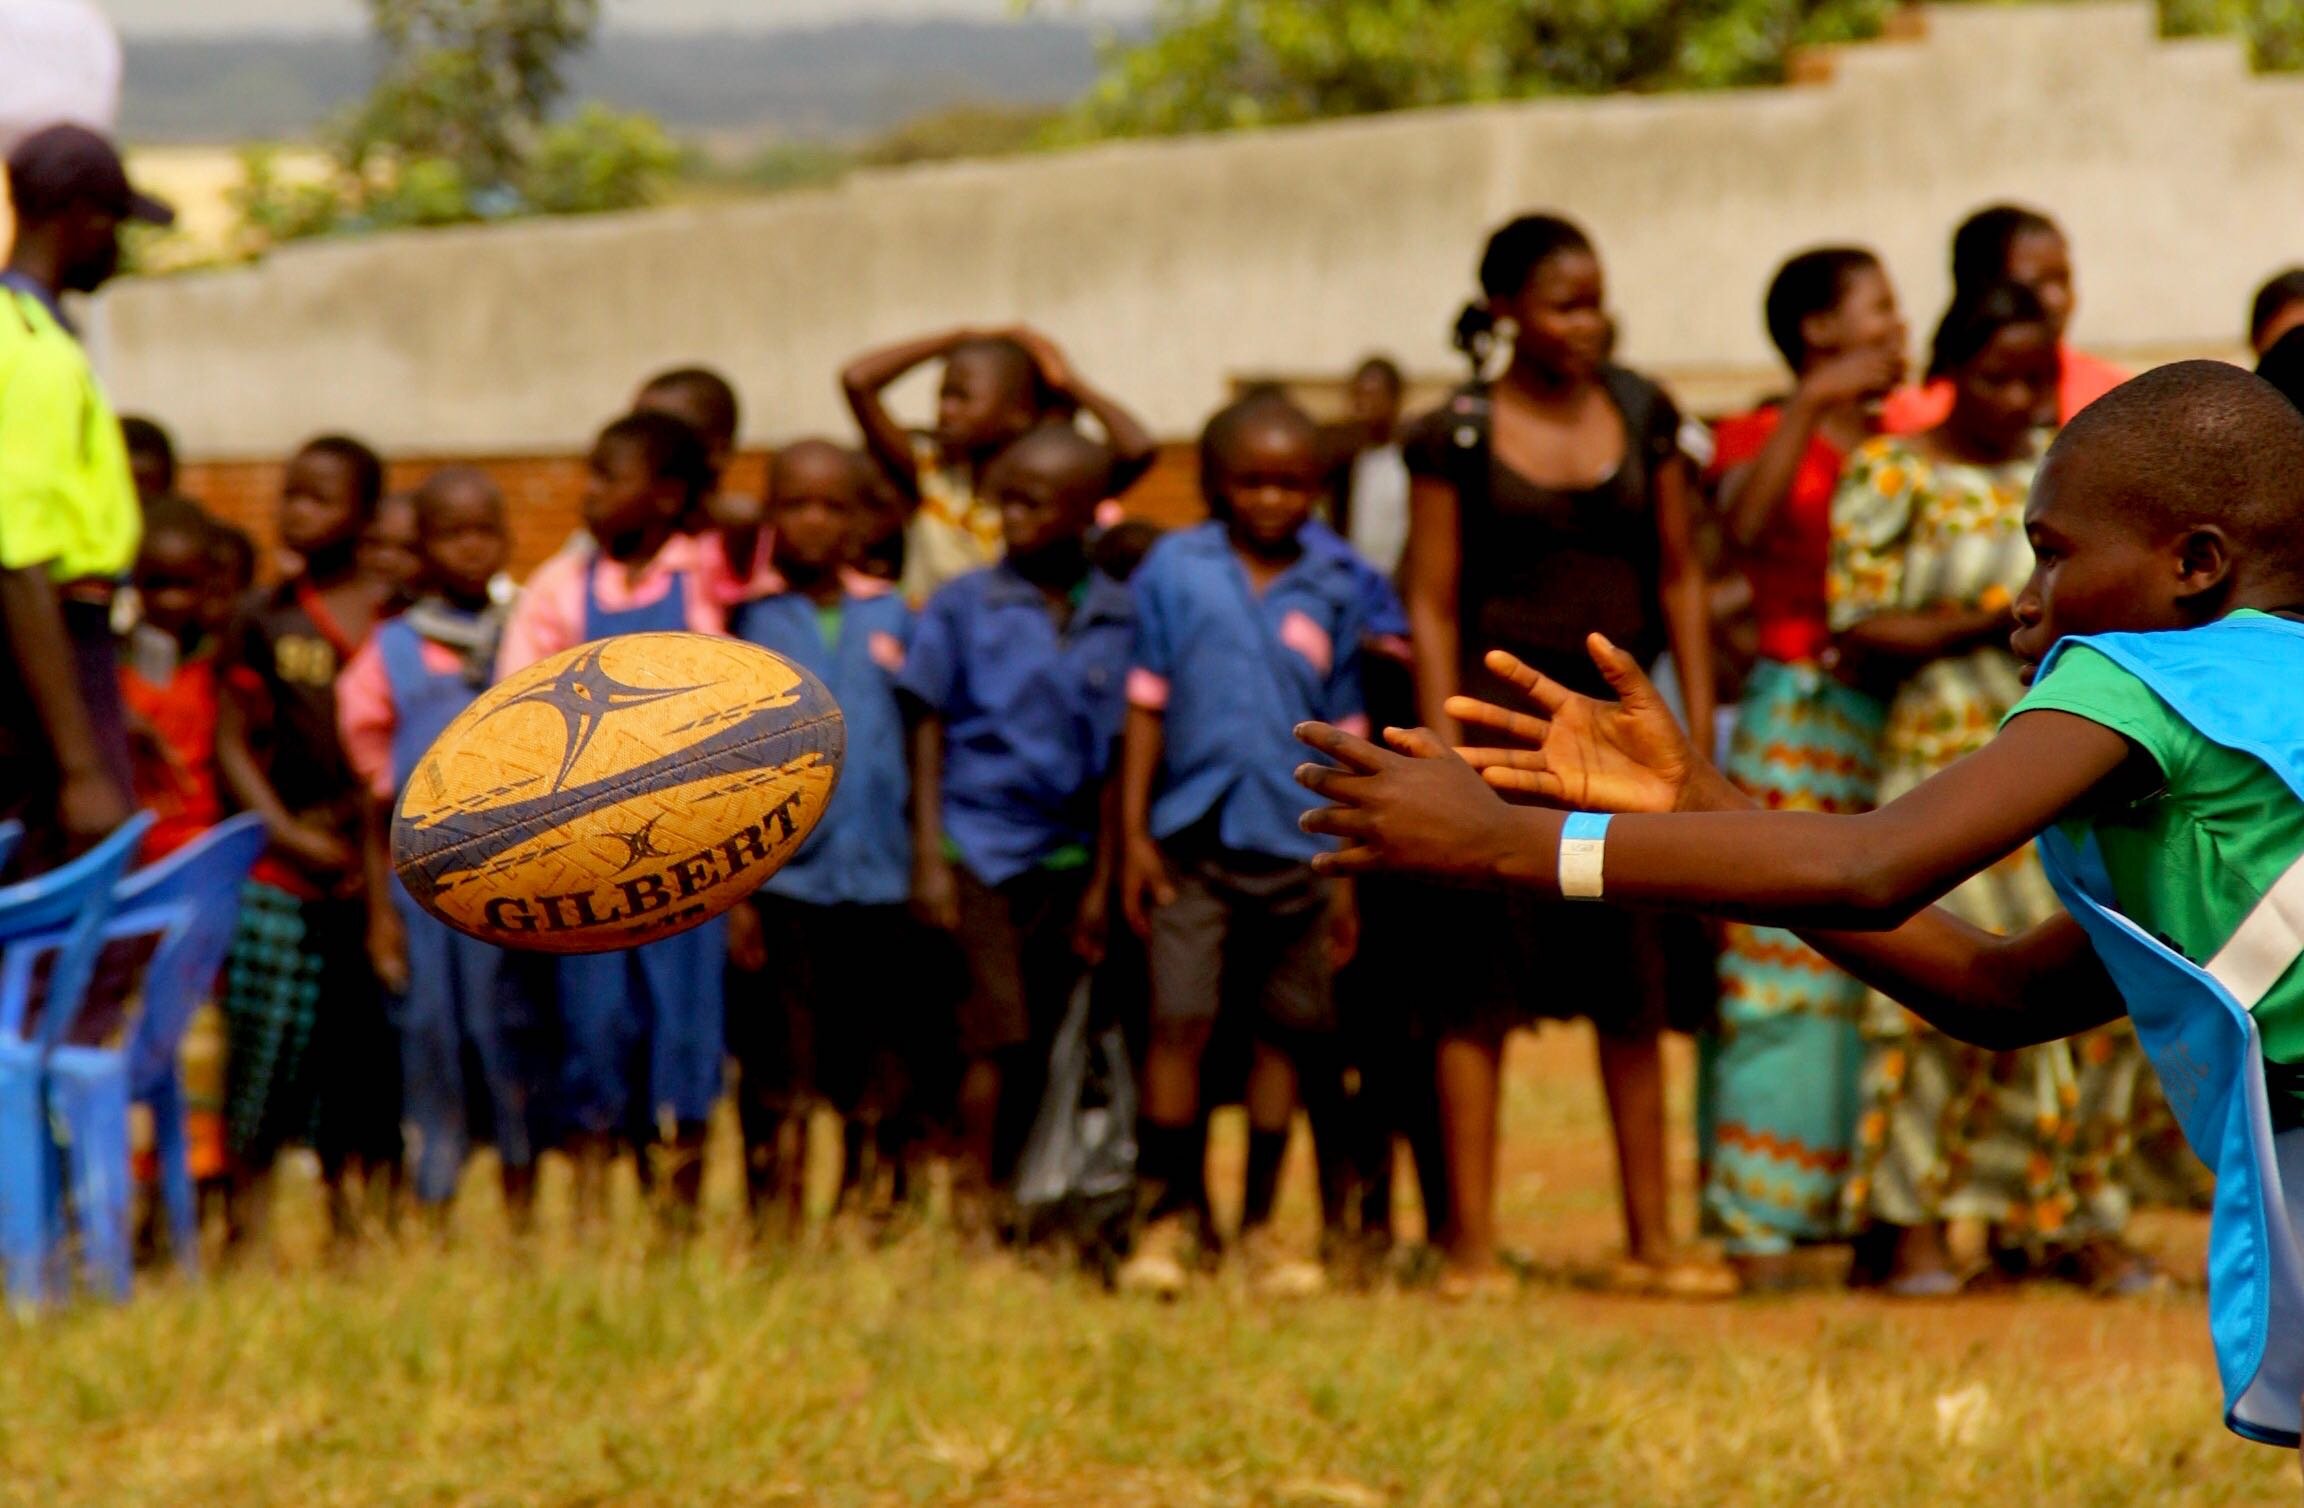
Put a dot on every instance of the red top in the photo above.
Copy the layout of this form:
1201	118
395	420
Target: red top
178	785
2085	378
1786	564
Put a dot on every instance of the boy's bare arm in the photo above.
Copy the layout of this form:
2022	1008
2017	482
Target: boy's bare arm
1430	585
863	380
1144	881
1688	616
387	938
1629	756
935	896
1426	808
1998	992
315	846
1133	448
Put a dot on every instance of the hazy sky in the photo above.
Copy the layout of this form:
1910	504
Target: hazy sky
224	17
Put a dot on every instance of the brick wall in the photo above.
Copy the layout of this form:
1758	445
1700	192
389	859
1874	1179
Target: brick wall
544	492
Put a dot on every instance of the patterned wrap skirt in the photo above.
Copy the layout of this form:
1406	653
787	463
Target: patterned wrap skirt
1777	1093
2034	1142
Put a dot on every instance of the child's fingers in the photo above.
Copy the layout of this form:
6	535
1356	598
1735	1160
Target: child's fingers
1535	684
1621	671
1504	759
1337	822
1346	749
1327	781
1521	725
1416	743
1346	861
1542	784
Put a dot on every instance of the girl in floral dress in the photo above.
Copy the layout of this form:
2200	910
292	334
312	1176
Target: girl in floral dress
1928	553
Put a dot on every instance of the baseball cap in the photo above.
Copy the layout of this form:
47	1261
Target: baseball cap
65	165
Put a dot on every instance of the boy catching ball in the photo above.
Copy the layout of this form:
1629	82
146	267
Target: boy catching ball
2159	759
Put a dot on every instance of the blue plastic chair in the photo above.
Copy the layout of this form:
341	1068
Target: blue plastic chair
185	908
56	918
11	834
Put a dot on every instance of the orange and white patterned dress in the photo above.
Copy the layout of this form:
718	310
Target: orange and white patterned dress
2029	1140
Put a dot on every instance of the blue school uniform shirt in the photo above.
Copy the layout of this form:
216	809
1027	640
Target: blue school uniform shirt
861	851
1031	712
1232	674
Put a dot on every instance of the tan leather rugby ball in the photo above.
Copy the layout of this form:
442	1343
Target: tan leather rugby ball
626	790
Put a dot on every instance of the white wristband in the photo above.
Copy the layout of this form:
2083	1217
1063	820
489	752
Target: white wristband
1583	849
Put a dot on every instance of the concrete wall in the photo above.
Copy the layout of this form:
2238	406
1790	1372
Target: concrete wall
1171	268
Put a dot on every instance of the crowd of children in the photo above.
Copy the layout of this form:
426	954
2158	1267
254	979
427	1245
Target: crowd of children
1070	776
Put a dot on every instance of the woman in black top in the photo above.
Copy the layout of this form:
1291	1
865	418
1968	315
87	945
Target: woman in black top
1550	503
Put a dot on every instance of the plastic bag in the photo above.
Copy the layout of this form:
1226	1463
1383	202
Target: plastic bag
1077	1174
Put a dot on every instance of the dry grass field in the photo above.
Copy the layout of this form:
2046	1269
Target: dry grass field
496	1374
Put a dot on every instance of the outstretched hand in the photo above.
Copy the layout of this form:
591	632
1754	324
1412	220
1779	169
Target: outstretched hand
1629	755
1414	806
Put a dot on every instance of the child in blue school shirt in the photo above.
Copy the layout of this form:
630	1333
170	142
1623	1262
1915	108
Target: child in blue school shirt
836	1023
1015	676
473	1019
1246	626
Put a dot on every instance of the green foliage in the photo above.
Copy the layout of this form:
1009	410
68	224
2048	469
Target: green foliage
958	131
1218	64
598	159
459	128
470	80
790	165
2275	28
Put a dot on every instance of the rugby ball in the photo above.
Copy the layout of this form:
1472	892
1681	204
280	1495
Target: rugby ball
623	791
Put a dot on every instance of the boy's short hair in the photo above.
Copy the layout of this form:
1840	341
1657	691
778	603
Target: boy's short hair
1022	365
2197	442
1977	314
711	394
855	466
1980	246
146	437
433	491
180	517
1385	370
1810	284
2280	292
366	466
1058	449
1264	403
674	450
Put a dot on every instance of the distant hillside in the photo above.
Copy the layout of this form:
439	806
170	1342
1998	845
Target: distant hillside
837	81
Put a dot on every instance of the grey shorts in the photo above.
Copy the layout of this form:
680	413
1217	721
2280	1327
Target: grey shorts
1243	934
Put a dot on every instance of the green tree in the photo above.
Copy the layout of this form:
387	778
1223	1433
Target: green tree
1215	64
470	81
461	126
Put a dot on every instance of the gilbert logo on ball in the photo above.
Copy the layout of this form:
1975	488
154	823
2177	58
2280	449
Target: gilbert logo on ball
623	791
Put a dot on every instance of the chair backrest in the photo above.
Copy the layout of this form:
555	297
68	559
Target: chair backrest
58	919
11	834
191	900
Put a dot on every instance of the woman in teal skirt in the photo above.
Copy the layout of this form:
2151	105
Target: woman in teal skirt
1778	1092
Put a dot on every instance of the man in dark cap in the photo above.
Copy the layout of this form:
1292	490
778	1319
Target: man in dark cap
68	514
